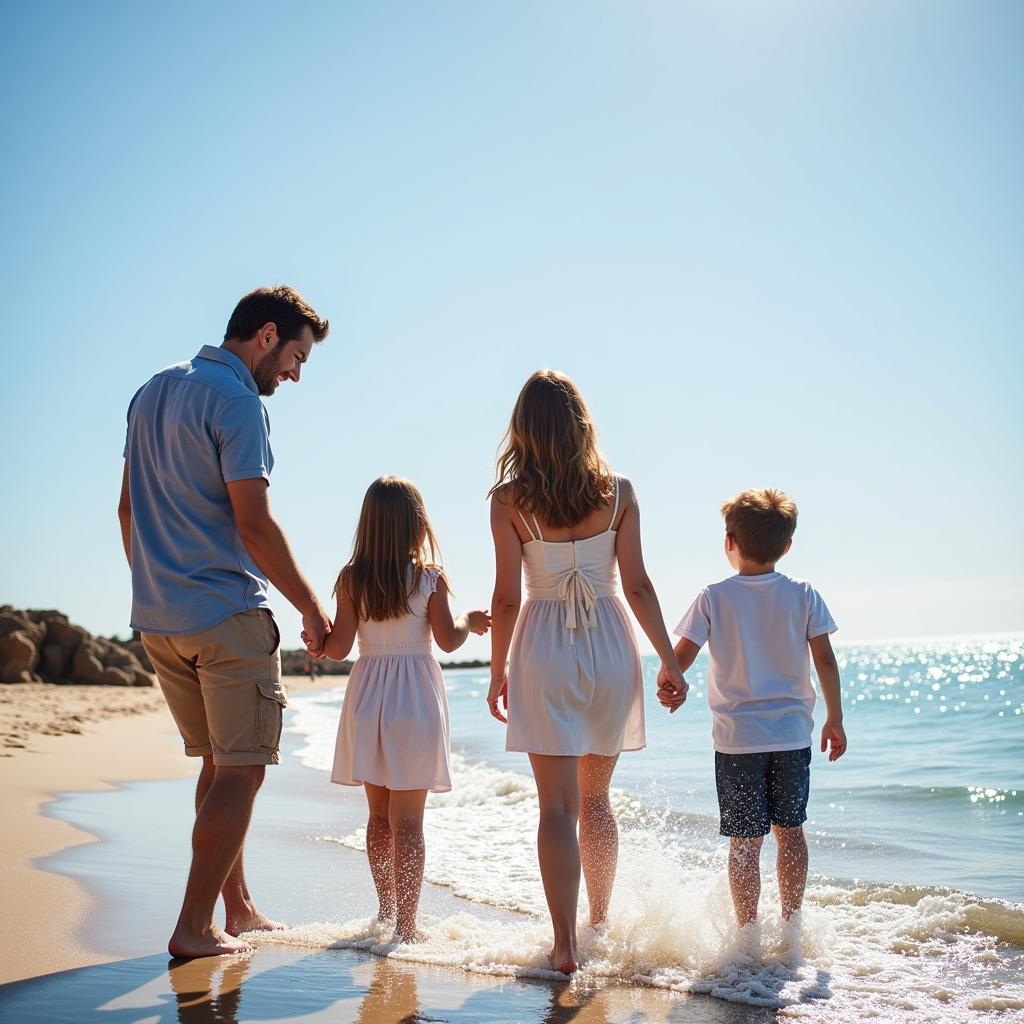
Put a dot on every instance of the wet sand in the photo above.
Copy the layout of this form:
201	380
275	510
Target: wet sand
97	879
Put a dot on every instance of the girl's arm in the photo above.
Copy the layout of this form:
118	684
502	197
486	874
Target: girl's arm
639	590
340	639
450	633
508	569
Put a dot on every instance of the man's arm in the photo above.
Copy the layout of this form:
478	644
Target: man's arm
266	543
124	515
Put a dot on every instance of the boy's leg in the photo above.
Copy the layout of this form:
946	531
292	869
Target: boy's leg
380	849
742	784
791	867
405	814
599	833
745	877
789	783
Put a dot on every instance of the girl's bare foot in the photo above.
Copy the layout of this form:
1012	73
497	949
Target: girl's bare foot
213	941
252	921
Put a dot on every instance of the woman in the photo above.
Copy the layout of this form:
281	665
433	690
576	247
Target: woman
573	691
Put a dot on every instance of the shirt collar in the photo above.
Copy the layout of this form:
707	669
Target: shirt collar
222	355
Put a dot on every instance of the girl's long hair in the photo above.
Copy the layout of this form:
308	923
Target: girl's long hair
550	458
393	533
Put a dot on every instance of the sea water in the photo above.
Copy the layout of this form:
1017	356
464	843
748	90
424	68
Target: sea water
915	901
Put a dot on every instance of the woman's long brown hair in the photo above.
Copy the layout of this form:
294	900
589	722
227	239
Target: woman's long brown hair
393	532
550	457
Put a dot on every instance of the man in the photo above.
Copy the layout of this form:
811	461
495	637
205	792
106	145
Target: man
202	545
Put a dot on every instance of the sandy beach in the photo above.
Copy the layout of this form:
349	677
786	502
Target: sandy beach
89	895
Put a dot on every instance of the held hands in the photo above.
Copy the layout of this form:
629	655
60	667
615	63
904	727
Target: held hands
316	627
833	737
672	687
478	622
498	689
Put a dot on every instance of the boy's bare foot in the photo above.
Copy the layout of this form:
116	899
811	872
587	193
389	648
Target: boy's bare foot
252	921
563	960
214	941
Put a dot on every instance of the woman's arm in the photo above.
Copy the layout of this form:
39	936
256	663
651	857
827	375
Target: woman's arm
340	639
508	570
639	590
450	633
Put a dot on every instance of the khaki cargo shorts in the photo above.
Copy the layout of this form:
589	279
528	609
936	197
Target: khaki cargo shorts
223	687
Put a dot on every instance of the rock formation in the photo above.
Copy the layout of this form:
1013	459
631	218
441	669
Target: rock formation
42	646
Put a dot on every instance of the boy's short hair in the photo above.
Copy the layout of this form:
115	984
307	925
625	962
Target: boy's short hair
762	522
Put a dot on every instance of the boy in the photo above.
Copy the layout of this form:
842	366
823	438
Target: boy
758	626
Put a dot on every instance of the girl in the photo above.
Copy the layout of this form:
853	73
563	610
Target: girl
573	691
393	733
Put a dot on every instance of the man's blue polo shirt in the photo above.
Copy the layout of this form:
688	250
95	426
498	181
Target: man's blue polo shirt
192	429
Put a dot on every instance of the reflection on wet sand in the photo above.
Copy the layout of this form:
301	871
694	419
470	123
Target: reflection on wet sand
279	986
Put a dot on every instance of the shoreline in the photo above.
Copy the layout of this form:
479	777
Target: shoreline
71	738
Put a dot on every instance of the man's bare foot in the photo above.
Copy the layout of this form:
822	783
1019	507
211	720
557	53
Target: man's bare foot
252	921
563	960
214	941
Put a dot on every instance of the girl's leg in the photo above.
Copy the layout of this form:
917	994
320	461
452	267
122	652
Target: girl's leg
599	833
406	817
380	849
558	850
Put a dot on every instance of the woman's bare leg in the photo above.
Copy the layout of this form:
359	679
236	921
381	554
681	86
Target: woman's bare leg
599	832
406	817
380	849
558	850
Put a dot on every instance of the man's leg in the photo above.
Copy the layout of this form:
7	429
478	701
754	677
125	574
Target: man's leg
791	866
221	823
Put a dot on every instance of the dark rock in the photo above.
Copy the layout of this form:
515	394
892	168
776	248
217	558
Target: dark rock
19	657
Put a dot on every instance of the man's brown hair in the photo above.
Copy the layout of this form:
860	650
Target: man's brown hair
283	306
762	522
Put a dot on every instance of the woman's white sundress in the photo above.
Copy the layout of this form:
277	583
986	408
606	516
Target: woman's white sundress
575	685
394	721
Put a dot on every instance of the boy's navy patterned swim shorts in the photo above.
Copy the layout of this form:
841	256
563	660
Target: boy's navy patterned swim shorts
756	791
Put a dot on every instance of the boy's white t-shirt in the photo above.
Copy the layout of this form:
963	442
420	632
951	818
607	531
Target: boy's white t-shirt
759	676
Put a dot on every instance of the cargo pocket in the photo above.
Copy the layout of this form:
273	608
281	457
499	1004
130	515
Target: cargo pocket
270	706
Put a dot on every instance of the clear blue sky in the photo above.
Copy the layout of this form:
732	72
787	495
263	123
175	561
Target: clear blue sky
774	243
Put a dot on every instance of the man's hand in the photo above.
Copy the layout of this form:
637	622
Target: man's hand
833	738
316	627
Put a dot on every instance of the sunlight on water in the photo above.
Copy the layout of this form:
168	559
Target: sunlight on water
887	927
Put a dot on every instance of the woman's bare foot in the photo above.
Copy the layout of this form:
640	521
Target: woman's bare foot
410	935
252	921
213	941
563	960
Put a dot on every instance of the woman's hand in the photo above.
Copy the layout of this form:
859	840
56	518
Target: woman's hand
479	622
498	689
672	687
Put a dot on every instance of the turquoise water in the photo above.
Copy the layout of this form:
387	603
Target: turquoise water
931	791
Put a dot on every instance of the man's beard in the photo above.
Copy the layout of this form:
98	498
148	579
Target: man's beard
267	370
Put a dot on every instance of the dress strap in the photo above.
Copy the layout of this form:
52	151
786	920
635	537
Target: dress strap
615	508
533	536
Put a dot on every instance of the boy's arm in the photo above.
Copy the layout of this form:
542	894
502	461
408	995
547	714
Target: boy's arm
833	736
